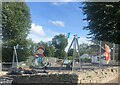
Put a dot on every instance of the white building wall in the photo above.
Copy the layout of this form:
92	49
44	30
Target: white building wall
95	59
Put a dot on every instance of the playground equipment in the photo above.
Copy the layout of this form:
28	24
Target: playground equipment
17	70
39	55
75	47
108	54
15	58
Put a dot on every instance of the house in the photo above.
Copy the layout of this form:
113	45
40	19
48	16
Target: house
96	60
85	56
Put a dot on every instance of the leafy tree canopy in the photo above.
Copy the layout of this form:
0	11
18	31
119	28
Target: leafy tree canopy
16	23
103	20
60	41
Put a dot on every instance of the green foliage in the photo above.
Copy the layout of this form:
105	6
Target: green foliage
89	49
70	58
103	20
60	54
49	49
70	52
28	63
60	42
15	21
16	24
85	60
23	51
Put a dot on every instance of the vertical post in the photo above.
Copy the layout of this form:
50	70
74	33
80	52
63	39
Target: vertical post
0	52
100	54
74	47
113	54
0	55
0	36
80	63
14	58
67	55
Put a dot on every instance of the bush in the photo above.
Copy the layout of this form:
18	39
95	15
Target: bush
70	58
85	60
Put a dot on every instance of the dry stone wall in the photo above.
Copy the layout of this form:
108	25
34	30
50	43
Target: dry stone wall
85	76
98	76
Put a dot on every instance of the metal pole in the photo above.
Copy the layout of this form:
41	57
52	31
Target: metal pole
100	54
16	57
79	54
13	57
113	54
71	43
67	55
74	47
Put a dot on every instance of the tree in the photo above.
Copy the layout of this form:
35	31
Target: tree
16	23
60	53
103	21
52	50
49	49
70	52
60	42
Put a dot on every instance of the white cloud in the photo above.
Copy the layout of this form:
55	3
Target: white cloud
37	30
57	23
37	39
57	3
37	34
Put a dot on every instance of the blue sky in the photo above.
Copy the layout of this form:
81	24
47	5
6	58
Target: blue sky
51	18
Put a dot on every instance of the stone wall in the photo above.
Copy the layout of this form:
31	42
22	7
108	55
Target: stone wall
98	76
85	76
50	78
